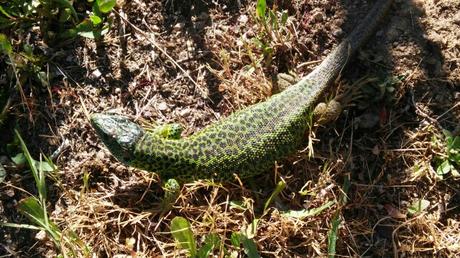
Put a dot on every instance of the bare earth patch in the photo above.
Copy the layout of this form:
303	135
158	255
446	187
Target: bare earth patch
385	145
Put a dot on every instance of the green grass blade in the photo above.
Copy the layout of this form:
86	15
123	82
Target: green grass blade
279	187
182	232
332	237
332	234
5	45
34	211
261	9
301	214
23	226
40	182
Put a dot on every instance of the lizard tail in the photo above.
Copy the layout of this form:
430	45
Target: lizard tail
330	68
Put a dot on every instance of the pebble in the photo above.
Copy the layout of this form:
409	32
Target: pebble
318	16
163	106
96	73
100	155
41	235
338	32
243	19
178	26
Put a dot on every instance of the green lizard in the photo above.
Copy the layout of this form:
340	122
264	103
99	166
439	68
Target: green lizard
248	141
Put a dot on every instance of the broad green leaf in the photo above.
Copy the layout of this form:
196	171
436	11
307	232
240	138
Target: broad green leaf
418	206
5	45
86	29
182	232
211	242
19	159
279	187
45	166
301	214
261	9
249	246
444	168
454	143
105	6
95	19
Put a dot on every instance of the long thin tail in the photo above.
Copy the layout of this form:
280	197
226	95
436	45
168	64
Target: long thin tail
329	69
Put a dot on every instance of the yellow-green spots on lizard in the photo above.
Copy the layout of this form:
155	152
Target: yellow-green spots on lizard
247	142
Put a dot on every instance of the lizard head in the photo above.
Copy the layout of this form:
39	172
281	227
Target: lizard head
118	133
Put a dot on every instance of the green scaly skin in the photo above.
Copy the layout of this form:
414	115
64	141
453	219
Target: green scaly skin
247	142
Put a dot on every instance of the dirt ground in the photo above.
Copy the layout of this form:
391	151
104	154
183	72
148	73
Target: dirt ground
385	144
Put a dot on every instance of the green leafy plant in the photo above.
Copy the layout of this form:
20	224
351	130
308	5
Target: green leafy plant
376	90
418	206
450	162
274	33
34	207
57	19
182	232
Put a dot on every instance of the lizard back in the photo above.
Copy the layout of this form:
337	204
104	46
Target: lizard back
250	140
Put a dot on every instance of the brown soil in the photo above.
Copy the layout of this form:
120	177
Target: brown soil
385	144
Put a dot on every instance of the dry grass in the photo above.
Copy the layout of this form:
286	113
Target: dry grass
386	148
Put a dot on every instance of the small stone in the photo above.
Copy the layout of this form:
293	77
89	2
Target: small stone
9	192
243	19
184	112
100	155
96	73
318	16
41	235
163	106
338	32
155	28
179	26
457	95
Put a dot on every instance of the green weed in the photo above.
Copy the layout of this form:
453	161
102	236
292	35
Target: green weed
449	163
183	234
57	19
34	207
274	33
